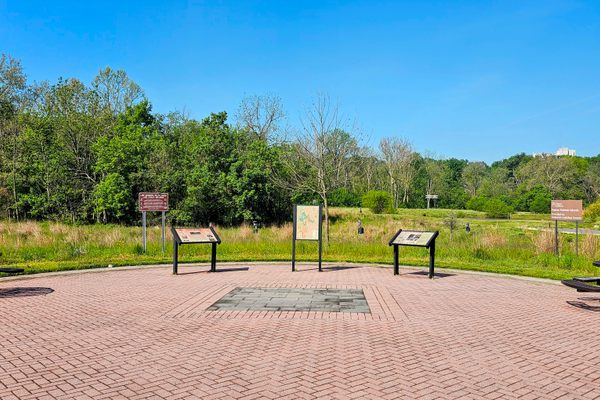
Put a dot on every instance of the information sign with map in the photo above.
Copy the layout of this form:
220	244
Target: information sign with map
415	239
307	226
308	222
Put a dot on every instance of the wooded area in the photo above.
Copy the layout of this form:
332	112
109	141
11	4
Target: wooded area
82	152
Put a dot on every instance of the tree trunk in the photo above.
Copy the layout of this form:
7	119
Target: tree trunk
326	208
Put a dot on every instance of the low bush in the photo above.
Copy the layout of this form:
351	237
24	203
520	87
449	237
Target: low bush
378	201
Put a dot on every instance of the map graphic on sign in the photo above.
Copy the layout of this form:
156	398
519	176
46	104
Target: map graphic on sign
307	222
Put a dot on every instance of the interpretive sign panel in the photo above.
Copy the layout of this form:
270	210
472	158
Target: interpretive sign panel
308	222
308	225
418	239
153	201
414	238
197	235
567	210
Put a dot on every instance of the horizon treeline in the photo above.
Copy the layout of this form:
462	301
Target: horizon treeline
80	152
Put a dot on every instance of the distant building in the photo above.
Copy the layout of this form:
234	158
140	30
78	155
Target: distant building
565	151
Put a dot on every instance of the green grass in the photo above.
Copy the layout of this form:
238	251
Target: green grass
502	246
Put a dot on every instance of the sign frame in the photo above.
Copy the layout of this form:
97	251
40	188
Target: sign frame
319	239
429	245
177	241
572	213
165	200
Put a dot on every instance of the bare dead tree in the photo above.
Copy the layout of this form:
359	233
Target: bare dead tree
399	159
261	115
317	160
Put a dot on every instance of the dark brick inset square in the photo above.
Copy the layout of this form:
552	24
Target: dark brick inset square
293	299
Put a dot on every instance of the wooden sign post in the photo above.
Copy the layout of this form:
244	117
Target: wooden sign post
195	236
566	210
308	225
416	239
150	201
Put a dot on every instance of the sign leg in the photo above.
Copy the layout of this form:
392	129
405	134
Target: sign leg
576	238
213	258
396	266
432	260
556	237
144	230
163	233
320	254
175	256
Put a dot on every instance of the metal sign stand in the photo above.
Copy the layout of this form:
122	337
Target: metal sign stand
178	242
320	240
430	245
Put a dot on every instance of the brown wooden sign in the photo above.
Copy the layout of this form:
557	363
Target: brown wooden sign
153	201
567	210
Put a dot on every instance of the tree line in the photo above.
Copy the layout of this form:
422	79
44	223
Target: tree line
82	152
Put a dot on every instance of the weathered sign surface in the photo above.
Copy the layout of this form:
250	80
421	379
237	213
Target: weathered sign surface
308	222
567	210
413	238
196	235
154	201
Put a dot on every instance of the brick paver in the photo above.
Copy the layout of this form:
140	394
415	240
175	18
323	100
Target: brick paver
140	334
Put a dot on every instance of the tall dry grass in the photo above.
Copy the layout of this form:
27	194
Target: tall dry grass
543	241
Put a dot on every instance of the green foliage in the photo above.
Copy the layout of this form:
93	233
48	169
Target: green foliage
477	203
592	212
112	197
344	198
377	201
496	208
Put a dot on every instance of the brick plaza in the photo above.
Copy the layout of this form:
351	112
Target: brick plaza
144	333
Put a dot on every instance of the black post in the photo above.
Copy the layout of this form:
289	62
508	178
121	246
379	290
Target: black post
556	237
396	267
432	260
213	258
294	241
320	236
175	256
577	238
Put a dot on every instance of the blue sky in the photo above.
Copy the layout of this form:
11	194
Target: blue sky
476	80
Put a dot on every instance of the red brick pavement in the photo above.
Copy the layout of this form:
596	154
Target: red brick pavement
138	334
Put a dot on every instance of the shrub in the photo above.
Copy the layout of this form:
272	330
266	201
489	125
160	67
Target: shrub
476	203
592	212
378	201
496	208
344	198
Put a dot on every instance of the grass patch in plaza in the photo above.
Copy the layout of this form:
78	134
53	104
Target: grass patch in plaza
513	246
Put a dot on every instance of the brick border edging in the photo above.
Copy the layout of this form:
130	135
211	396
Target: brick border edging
277	263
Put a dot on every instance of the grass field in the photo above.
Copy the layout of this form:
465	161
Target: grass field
503	246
